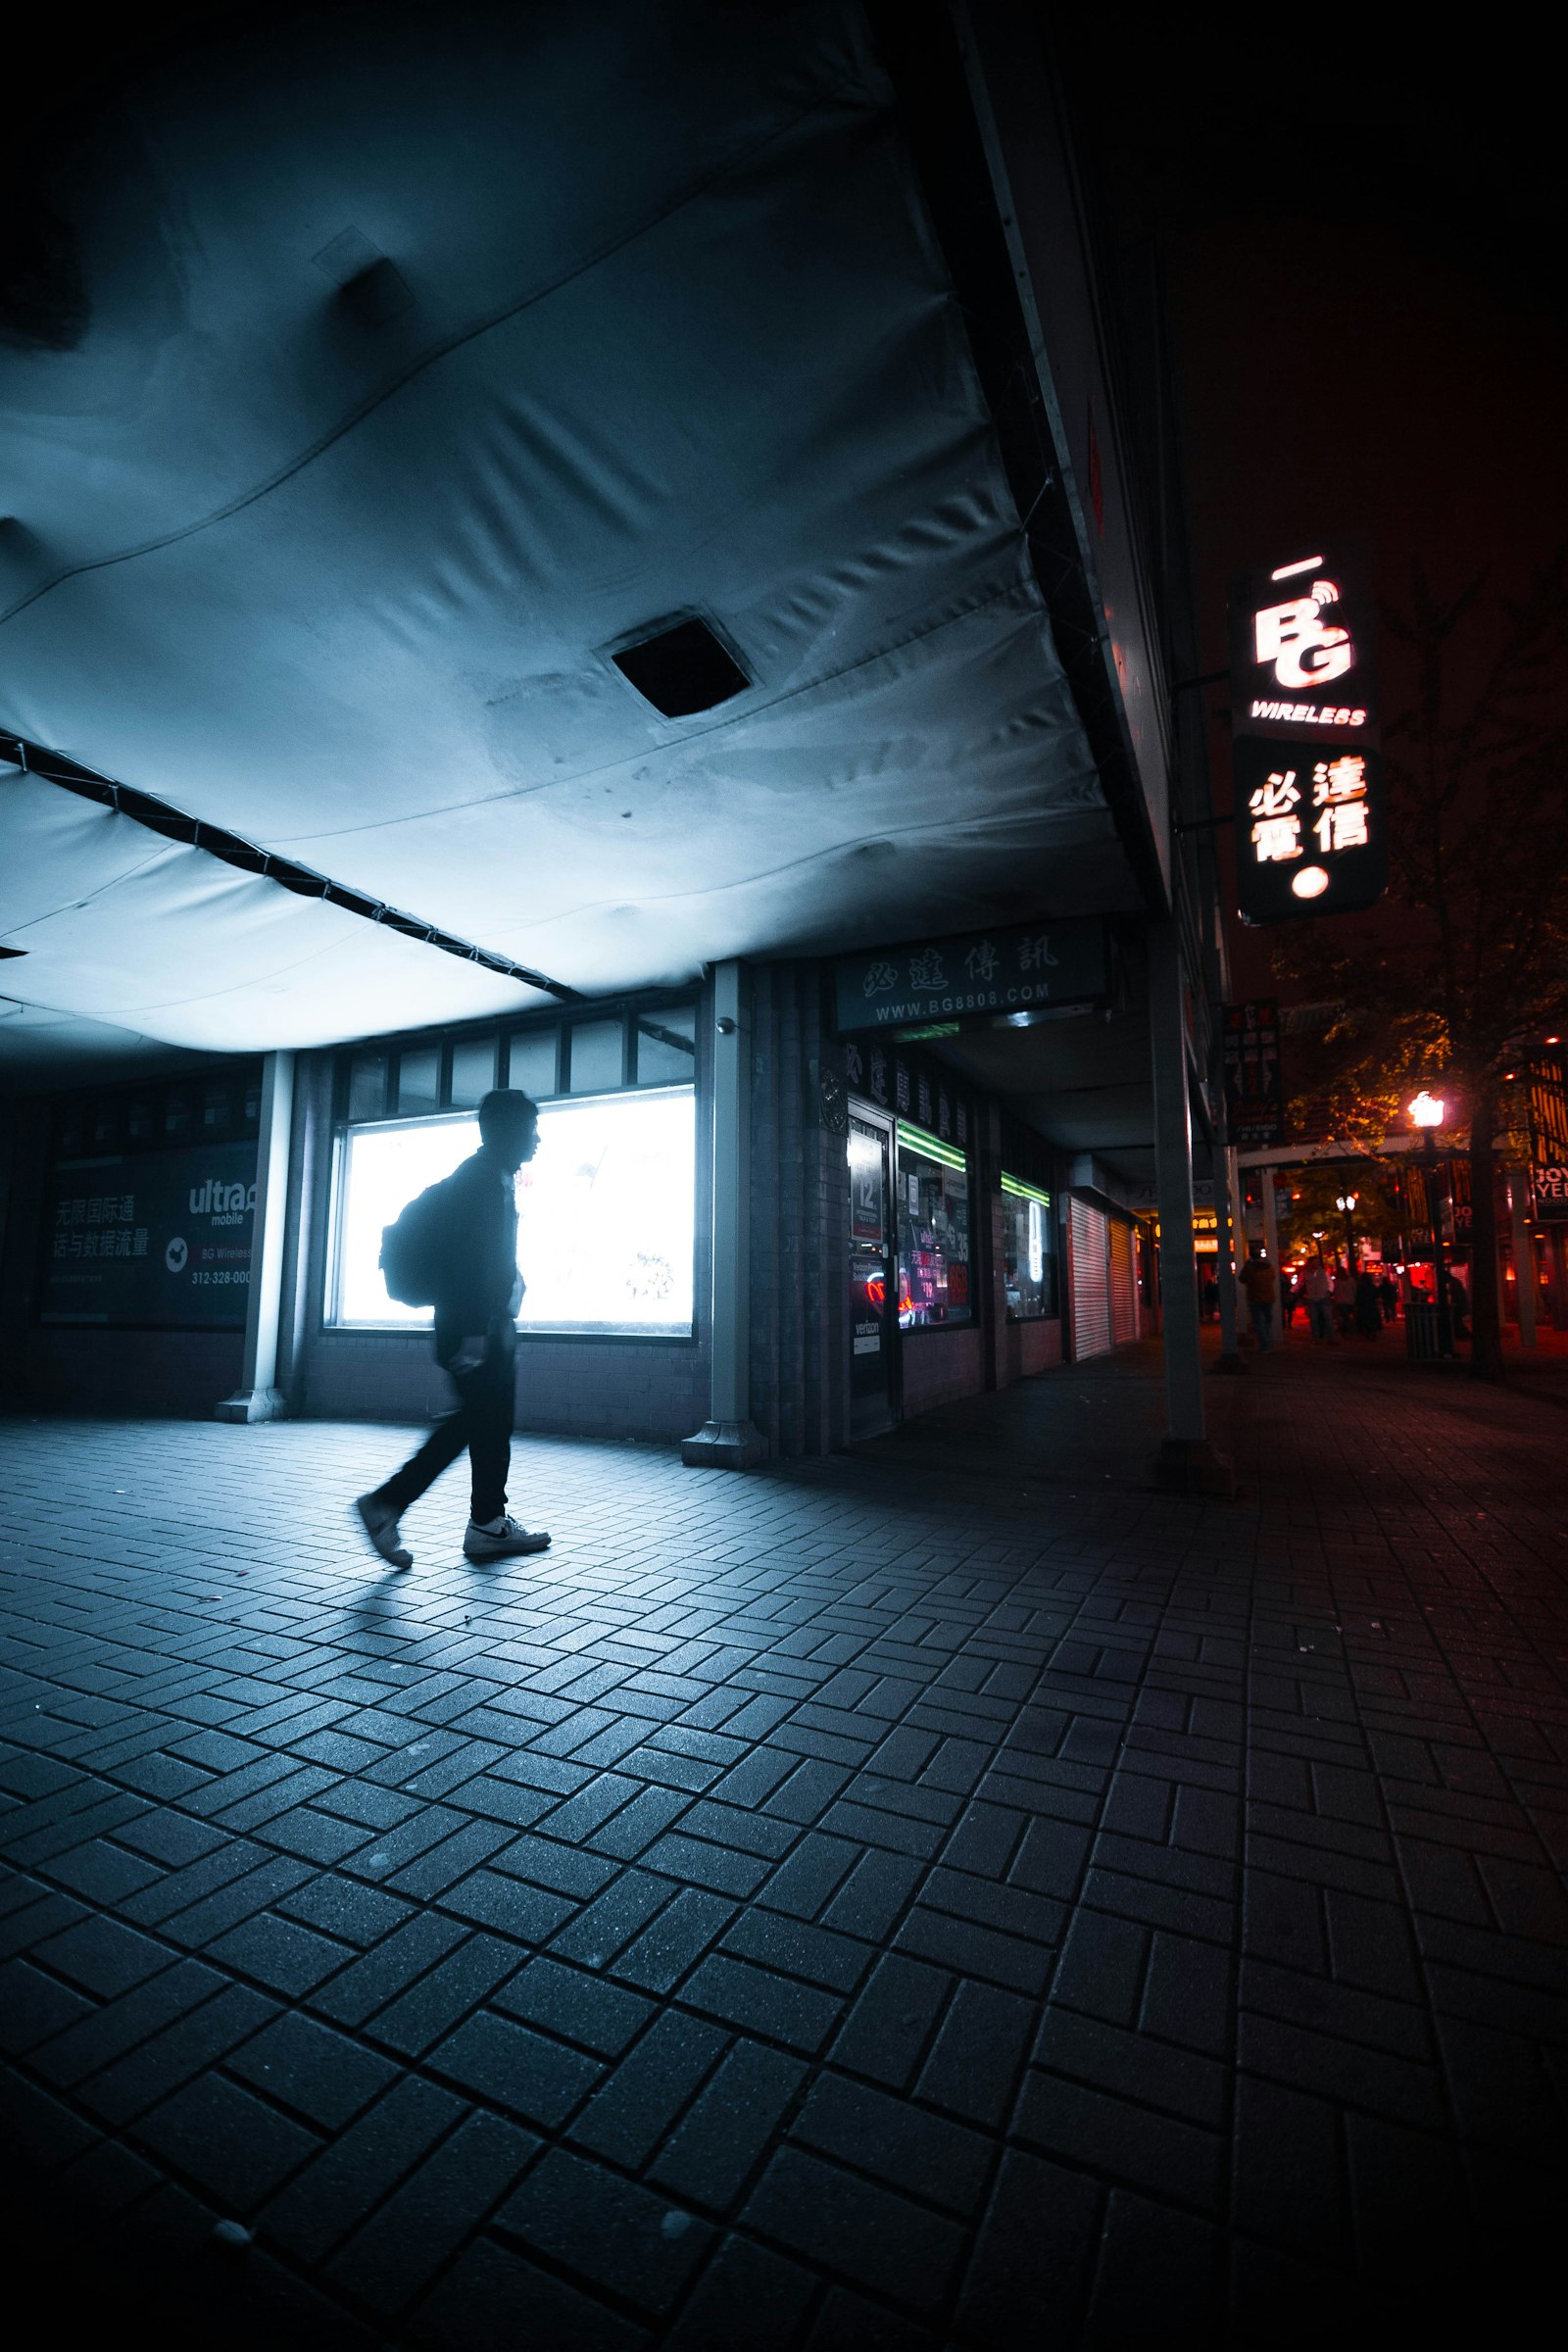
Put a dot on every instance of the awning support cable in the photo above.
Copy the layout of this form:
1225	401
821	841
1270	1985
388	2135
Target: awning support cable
142	808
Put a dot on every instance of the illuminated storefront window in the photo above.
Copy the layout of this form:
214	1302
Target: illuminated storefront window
1028	1257
932	1198
606	1213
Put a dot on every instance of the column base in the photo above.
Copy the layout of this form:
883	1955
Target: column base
1232	1363
1190	1466
254	1404
724	1446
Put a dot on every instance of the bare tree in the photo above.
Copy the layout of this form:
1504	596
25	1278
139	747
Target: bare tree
1467	961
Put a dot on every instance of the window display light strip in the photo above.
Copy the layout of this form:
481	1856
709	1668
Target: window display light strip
1025	1192
916	1138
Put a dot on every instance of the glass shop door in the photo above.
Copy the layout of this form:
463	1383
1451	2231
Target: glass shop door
874	1276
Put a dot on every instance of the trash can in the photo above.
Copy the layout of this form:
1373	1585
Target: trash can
1420	1331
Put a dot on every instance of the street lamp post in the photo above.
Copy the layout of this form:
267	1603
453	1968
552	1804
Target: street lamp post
1427	1111
1345	1202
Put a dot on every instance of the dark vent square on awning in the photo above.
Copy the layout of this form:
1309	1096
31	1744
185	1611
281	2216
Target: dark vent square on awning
682	669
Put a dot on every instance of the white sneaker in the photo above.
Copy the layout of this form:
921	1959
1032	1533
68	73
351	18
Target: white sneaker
502	1540
380	1523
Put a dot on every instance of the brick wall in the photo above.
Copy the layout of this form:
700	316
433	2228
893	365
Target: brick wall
799	1281
1028	1348
182	1375
941	1366
587	1389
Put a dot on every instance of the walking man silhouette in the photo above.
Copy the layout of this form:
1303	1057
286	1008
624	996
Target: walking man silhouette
478	1291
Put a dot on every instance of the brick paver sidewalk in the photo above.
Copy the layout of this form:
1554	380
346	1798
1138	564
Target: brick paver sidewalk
951	1896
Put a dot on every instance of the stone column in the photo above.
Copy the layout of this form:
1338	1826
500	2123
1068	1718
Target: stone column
1186	1459
258	1397
729	1439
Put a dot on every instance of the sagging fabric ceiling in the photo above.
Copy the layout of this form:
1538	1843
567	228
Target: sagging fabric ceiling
429	361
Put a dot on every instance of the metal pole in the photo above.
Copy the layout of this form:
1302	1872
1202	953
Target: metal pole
1230	1357
1524	1255
1402	1220
1186	1458
1271	1222
257	1396
729	1439
1439	1261
1222	1162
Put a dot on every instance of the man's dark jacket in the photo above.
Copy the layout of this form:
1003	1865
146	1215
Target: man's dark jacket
481	1289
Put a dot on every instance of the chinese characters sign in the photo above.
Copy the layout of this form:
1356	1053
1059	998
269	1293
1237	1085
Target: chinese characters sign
902	1080
978	973
1254	1094
160	1240
1309	801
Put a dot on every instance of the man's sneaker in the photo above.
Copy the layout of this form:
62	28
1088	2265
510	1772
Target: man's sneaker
502	1540
380	1523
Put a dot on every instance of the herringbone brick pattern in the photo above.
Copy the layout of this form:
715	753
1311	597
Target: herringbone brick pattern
950	1897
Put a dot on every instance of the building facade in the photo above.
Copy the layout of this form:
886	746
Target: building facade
551	654
910	1242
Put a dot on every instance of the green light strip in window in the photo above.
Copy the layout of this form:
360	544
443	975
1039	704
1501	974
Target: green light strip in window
916	1138
1025	1192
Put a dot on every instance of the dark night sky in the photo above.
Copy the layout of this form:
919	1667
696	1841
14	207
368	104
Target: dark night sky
1362	247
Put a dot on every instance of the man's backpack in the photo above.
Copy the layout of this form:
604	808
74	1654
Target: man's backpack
414	1252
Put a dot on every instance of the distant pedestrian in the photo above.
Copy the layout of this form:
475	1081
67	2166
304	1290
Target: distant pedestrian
1289	1297
1210	1298
459	1244
1389	1297
1368	1307
1459	1303
1343	1300
1318	1291
1259	1284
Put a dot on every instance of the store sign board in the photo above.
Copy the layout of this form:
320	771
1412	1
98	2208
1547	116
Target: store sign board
153	1240
1310	802
1312	836
1302	649
1005	969
1551	1189
1254	1089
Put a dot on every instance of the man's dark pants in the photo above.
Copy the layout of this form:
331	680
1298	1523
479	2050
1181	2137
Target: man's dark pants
482	1422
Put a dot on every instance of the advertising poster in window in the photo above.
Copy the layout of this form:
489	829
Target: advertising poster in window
156	1240
867	1177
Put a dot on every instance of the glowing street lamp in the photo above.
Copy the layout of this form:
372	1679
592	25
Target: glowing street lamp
1427	1112
1345	1202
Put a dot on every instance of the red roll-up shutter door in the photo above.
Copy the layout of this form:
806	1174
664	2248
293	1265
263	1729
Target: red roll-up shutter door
1090	1283
1123	1285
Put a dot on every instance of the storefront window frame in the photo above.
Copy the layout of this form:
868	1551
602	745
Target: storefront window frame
557	1026
1014	1187
923	1145
333	1322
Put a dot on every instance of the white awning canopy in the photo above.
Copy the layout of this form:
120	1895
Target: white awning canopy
420	376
